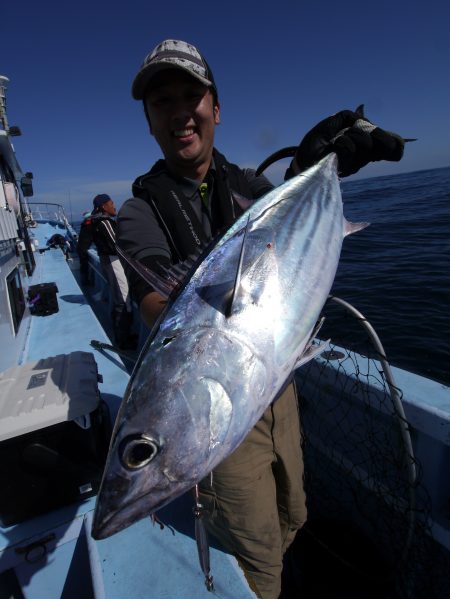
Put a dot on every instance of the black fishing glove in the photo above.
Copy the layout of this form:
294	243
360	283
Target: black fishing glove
355	140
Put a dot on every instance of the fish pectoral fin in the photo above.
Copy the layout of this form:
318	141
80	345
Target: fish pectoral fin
181	271
350	228
241	295
311	352
217	296
171	278
237	280
256	253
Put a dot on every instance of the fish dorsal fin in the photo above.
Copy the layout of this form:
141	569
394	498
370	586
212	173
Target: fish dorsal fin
171	278
164	286
350	228
177	272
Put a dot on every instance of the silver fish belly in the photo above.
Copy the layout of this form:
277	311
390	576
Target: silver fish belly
225	347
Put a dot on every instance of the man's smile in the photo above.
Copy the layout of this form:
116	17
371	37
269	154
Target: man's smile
183	132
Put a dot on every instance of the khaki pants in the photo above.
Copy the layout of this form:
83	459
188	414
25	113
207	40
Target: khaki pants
257	501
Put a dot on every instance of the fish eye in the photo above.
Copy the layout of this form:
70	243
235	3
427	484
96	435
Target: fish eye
137	451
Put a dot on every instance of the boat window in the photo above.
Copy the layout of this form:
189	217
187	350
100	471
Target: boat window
5	171
16	297
6	177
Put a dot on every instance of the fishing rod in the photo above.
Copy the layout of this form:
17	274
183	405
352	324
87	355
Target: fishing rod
100	345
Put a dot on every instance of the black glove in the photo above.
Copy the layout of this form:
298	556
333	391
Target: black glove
355	140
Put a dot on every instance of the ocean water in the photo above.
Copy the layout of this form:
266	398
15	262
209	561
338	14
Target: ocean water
397	271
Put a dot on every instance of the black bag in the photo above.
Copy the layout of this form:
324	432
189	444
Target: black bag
52	451
42	299
52	467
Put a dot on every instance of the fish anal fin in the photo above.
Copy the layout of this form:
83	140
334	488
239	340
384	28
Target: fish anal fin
311	352
316	329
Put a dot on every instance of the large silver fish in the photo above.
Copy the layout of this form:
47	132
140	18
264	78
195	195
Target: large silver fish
225	347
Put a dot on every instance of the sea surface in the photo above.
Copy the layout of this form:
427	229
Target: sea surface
397	270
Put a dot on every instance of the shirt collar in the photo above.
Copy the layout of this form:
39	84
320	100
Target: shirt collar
190	186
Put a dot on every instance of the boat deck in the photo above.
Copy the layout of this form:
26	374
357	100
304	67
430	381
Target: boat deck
53	555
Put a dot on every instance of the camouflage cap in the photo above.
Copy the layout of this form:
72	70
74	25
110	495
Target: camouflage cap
172	54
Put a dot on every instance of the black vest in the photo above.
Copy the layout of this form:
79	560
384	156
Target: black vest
182	228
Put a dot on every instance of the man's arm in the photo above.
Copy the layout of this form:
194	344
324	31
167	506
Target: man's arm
139	234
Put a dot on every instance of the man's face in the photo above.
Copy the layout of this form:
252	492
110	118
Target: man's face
109	208
182	118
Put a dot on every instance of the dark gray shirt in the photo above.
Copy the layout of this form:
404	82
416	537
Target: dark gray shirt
141	236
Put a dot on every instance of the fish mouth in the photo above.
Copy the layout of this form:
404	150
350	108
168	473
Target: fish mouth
107	521
104	528
113	514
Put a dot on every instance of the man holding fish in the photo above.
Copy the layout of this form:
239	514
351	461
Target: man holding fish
255	496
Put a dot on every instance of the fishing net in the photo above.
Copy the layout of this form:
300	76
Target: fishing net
370	516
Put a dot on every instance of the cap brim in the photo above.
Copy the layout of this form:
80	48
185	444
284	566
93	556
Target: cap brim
143	78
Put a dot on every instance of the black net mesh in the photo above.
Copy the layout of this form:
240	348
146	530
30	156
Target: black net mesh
369	532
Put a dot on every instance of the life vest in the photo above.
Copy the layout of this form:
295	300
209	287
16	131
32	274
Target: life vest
173	210
100	229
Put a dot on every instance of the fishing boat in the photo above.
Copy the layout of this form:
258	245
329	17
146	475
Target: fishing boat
376	444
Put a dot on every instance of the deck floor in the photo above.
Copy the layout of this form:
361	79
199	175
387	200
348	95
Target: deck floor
141	561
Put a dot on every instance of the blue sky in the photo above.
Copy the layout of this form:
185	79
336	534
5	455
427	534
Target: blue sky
280	67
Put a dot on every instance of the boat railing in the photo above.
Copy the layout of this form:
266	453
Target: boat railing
48	212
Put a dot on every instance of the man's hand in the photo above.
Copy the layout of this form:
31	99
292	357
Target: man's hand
355	140
151	307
